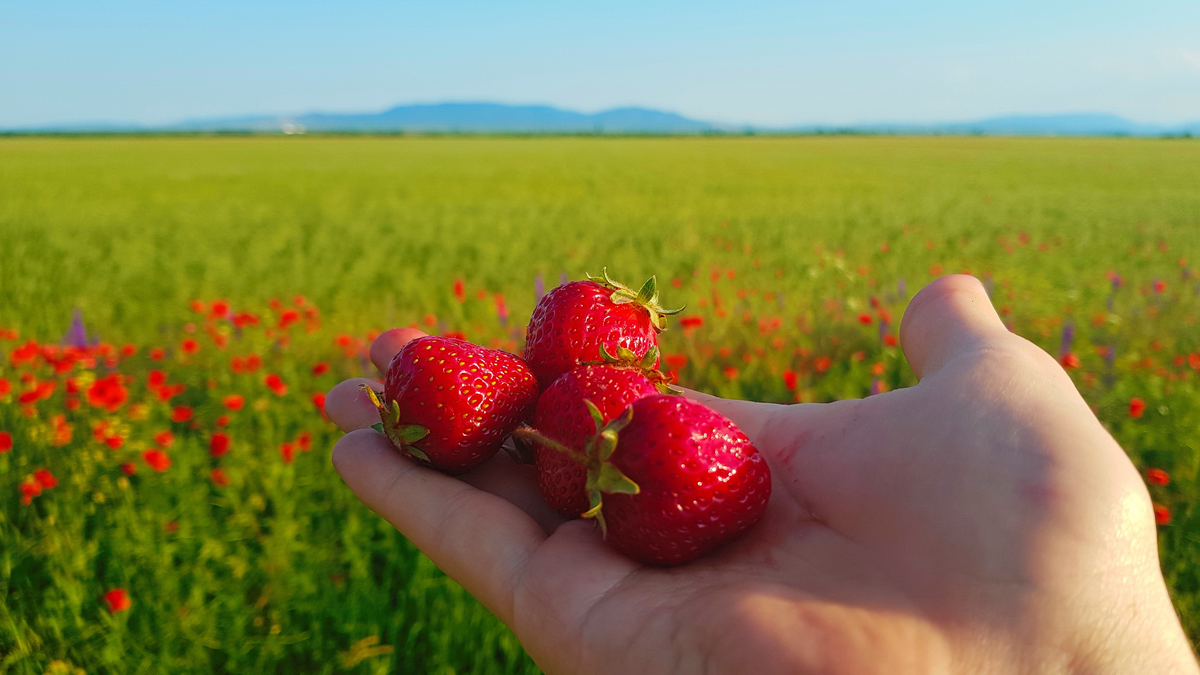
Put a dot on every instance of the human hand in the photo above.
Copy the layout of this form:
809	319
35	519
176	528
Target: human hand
981	521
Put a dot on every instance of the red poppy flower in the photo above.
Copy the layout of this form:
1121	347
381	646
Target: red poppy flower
171	527
128	468
190	346
1136	407
222	421
62	431
198	306
181	414
1158	477
219	478
243	319
730	372
253	363
304	441
24	354
45	479
108	393
157	459
288	318
460	290
676	360
114	442
789	379
865	319
117	600
46	388
821	364
219	445
318	400
30	488
157	353
5	387
288	452
343	340
234	402
1162	515
1069	361
164	438
156	379
128	350
320	369
220	309
6	442
691	321
275	384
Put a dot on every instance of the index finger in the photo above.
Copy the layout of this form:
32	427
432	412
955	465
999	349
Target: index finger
480	540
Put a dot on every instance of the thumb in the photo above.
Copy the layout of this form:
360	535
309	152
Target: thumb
949	317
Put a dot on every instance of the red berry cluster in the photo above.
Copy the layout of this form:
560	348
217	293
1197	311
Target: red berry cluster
667	478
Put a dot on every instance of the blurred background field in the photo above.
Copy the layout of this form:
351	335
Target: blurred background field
237	277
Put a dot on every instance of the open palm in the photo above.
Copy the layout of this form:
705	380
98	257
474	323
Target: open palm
981	521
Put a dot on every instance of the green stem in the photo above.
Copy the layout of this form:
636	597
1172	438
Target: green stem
539	438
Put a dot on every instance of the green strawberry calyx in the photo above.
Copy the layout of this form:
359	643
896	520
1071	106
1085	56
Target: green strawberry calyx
403	436
602	475
646	298
626	358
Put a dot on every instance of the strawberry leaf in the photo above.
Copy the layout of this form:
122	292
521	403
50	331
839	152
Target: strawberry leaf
411	433
613	481
597	418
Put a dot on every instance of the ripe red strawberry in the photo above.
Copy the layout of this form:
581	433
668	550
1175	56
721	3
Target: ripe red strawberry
675	480
562	415
449	404
572	322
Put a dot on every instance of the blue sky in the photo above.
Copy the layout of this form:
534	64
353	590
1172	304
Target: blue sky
752	61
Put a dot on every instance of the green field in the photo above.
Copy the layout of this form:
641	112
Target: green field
798	256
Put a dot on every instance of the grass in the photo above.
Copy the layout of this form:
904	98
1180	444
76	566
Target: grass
780	246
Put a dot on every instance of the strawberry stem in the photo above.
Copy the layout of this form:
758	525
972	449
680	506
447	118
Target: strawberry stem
541	439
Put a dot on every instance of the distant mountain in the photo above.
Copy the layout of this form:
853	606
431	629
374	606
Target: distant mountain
1080	124
495	118
466	118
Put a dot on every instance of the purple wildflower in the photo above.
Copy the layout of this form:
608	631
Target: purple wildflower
1068	338
77	334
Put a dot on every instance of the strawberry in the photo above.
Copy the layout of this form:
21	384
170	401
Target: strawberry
572	322
563	415
670	479
450	404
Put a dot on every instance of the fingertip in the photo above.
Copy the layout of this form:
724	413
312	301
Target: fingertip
389	343
360	452
349	406
950	316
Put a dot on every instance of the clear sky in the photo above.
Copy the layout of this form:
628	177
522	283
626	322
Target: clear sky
751	61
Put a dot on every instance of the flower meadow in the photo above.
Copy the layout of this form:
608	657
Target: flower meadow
174	310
